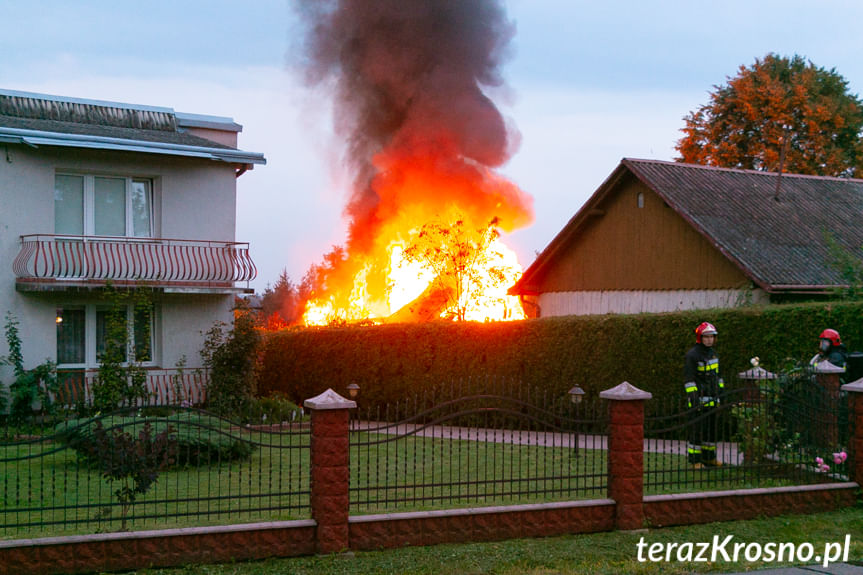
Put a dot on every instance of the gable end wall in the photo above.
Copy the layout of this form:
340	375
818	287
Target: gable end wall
632	248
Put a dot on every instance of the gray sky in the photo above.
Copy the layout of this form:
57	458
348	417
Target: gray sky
588	84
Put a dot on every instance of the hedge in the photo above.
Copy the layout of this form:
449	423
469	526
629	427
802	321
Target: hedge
391	362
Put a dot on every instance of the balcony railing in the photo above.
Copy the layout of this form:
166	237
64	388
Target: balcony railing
96	260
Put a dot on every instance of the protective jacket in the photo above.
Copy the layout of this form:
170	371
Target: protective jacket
703	383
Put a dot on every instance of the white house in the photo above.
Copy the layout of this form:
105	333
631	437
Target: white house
94	193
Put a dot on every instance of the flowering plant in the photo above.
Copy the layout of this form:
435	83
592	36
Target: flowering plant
838	459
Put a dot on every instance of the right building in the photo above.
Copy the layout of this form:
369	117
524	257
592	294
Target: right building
662	236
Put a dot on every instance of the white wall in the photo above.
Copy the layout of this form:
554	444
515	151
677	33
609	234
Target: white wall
602	302
195	199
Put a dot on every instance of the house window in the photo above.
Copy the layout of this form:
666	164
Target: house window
83	331
87	205
639	199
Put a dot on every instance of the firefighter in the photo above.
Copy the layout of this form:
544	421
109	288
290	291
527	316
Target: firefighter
703	385
830	349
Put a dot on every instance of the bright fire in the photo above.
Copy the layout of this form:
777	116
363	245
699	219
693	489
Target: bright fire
416	291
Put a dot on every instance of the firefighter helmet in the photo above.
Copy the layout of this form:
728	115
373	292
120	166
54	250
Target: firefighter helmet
704	329
832	335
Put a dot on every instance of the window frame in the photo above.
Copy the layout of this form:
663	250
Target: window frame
91	360
89	203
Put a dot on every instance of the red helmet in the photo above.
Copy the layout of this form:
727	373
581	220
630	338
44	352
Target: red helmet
832	335
704	329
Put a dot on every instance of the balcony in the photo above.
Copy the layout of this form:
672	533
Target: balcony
52	262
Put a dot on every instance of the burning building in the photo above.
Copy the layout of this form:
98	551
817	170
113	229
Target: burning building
411	82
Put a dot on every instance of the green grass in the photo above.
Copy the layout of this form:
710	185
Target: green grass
610	553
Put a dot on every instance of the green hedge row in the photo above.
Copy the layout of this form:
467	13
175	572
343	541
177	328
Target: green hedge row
391	362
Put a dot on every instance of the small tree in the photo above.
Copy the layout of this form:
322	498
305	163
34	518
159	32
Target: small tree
231	358
460	258
121	379
133	461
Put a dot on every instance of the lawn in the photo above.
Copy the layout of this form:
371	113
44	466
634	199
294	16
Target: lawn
609	553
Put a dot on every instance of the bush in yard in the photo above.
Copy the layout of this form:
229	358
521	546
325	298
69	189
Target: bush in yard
231	358
273	409
200	439
31	388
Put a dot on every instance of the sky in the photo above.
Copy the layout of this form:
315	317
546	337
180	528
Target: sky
587	84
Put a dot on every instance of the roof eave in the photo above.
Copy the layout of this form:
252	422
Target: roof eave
36	138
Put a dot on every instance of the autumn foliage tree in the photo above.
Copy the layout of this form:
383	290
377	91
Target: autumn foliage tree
778	106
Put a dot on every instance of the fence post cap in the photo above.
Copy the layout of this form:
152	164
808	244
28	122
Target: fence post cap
756	373
854	386
329	400
827	367
625	392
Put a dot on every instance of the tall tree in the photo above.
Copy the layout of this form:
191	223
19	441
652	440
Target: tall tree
280	304
778	106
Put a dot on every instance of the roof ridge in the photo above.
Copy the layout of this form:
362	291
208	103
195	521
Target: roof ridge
738	170
39	107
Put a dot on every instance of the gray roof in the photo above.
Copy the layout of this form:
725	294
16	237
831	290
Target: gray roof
777	241
43	120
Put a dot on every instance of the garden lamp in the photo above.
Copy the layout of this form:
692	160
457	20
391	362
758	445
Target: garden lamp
353	390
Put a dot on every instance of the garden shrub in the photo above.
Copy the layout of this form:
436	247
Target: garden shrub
273	409
231	358
32	388
200	439
391	362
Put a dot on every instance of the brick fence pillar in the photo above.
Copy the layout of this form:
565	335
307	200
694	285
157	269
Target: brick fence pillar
827	376
330	473
855	419
626	453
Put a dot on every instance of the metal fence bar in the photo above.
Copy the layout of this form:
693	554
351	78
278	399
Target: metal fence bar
768	431
487	446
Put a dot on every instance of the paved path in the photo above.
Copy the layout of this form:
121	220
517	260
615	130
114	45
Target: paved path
726	452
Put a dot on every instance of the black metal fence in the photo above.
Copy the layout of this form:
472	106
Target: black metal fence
145	468
777	430
463	444
493	443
